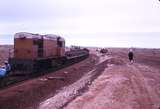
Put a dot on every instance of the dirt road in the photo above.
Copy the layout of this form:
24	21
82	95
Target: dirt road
122	87
126	86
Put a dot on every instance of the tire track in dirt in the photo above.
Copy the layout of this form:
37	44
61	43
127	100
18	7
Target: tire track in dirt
103	93
146	94
120	86
139	88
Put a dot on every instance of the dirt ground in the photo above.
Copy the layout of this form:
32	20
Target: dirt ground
6	51
125	85
100	82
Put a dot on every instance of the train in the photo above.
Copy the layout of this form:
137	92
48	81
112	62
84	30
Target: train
35	53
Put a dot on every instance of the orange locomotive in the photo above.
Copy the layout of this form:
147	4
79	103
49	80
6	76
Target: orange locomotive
34	52
31	46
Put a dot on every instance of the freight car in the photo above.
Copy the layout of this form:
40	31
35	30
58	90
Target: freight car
34	53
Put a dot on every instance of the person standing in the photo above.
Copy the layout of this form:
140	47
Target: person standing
130	55
7	67
4	70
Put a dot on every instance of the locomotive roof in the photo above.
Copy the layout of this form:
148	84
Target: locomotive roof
37	36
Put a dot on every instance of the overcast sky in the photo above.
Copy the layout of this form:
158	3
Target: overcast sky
75	19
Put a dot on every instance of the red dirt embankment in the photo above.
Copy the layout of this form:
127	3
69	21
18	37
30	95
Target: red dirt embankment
29	93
